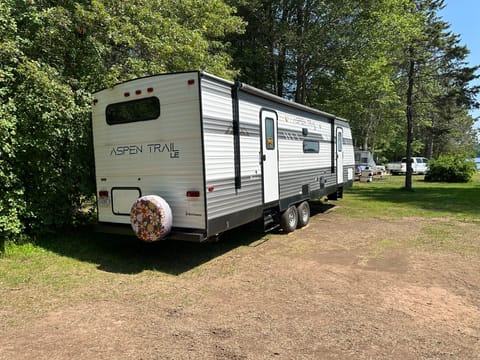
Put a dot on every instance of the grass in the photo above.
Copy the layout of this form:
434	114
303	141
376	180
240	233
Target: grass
449	213
31	265
65	261
386	199
80	257
79	266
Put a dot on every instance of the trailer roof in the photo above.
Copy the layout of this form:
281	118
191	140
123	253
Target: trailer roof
266	95
250	90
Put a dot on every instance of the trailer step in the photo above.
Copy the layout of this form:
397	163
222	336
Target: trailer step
270	220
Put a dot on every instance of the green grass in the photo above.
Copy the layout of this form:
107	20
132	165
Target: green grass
80	257
32	265
451	237
62	262
388	199
449	213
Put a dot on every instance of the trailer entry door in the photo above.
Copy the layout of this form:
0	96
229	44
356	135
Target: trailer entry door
269	156
339	155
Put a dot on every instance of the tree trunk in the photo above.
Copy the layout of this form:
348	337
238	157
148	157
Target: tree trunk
430	142
411	74
2	245
281	70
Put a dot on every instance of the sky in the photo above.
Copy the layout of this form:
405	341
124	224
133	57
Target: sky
463	16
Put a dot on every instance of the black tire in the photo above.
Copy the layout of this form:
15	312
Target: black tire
289	219
303	210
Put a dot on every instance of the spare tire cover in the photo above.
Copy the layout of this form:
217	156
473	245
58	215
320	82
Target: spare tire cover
151	218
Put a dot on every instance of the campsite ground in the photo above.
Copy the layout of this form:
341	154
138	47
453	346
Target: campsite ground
345	287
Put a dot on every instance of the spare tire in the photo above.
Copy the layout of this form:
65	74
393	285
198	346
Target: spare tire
151	218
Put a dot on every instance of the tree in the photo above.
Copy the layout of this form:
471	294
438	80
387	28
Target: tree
435	61
11	199
333	55
56	53
352	58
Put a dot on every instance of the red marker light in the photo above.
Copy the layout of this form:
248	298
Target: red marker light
191	82
103	194
150	90
126	94
138	92
211	188
193	193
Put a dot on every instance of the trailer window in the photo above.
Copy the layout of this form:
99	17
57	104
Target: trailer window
311	146
132	111
339	142
269	134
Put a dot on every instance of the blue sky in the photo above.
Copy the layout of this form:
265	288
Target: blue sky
464	18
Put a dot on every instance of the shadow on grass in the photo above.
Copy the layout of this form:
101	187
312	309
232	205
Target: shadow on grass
128	255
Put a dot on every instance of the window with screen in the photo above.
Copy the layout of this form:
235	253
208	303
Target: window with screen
132	111
269	134
311	146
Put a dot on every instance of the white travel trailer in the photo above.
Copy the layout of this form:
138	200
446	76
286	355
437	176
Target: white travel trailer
190	155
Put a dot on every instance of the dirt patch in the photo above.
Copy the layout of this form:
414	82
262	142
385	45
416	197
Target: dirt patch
338	289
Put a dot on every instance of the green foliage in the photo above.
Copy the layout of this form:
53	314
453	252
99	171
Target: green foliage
476	149
451	168
54	149
11	192
351	58
53	54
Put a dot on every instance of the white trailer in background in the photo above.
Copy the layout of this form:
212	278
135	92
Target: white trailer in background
215	154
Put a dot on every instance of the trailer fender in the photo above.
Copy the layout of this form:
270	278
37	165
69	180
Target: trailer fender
151	218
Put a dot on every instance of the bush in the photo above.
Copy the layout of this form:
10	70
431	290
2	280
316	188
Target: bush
451	168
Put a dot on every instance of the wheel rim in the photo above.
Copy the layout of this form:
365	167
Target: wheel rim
291	218
304	214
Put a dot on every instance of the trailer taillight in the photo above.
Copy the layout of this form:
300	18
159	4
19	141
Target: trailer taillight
138	92
150	89
103	198
193	194
126	94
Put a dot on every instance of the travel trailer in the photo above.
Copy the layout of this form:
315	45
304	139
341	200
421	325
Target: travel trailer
364	163
190	155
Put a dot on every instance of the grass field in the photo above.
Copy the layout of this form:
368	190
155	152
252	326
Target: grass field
358	278
49	259
386	199
450	209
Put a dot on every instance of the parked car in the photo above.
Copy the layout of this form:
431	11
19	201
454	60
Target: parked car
419	166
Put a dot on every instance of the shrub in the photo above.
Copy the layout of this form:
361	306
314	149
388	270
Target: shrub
450	168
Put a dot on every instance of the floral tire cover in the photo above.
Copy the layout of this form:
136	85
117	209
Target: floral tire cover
151	218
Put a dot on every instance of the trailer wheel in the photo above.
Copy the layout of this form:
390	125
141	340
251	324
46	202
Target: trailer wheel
289	219
303	210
